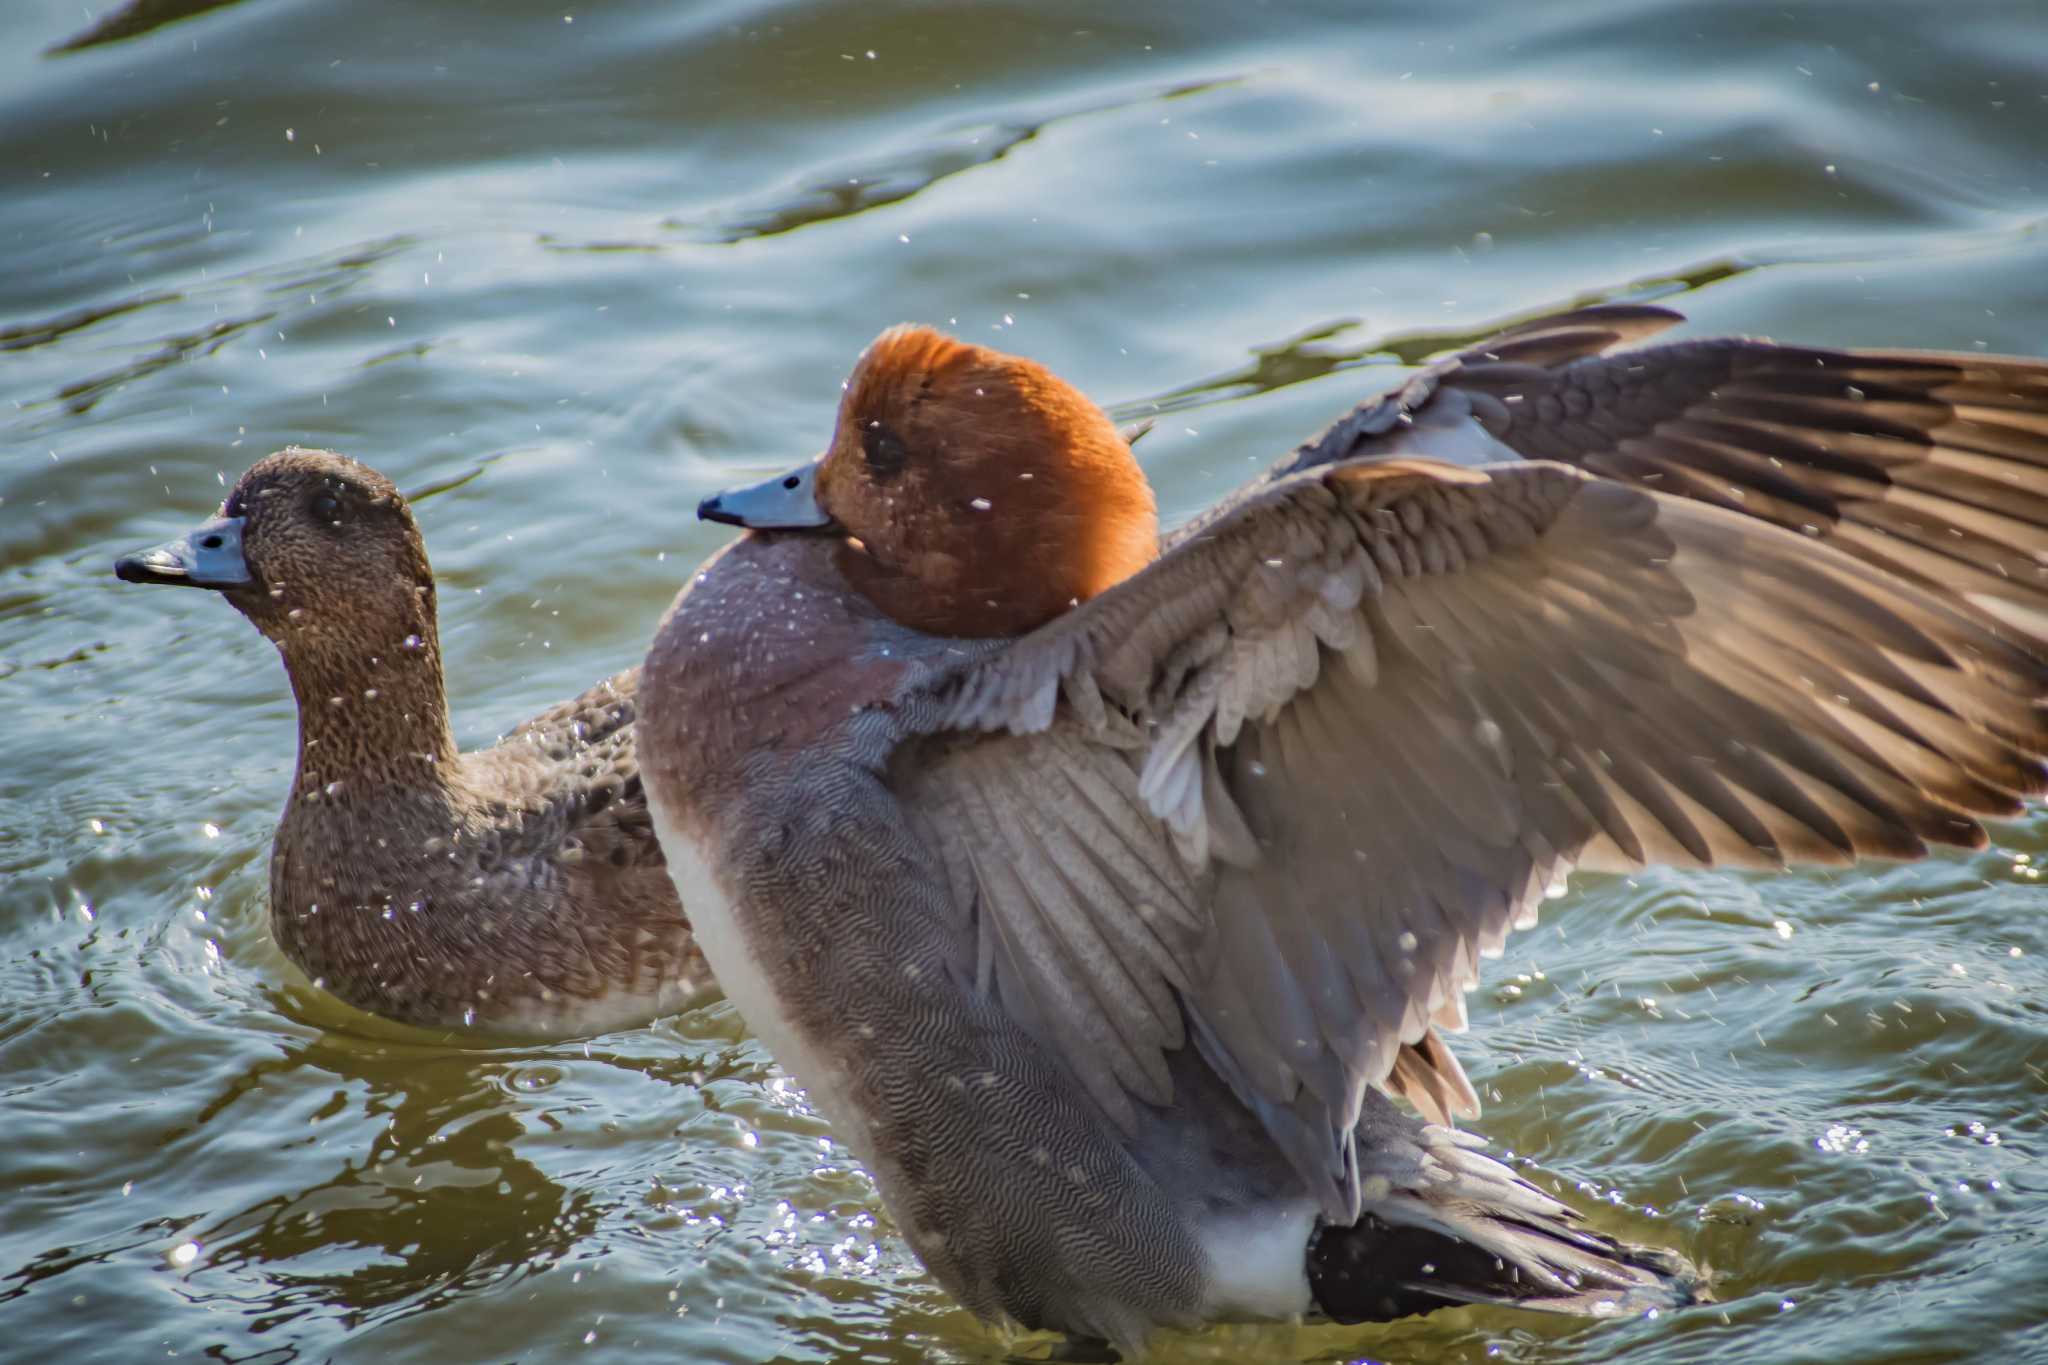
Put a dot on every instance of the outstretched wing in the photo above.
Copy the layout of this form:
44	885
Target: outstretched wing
1932	465
1275	794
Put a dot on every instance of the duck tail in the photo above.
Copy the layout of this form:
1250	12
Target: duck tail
1443	1224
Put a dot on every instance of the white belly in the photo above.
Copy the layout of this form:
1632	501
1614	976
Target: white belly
587	1018
727	947
1258	1263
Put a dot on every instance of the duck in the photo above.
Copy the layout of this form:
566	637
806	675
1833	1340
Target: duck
1097	883
516	890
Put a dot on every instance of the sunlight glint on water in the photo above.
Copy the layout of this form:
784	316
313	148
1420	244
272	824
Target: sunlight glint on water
560	270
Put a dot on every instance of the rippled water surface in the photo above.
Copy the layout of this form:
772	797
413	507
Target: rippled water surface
573	265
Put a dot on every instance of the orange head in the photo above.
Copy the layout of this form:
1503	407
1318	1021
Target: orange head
980	494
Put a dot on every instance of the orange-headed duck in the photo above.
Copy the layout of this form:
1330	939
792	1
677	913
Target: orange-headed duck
517	889
1098	886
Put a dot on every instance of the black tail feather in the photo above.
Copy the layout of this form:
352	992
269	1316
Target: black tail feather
1377	1271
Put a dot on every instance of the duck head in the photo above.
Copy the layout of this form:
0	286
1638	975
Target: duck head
322	554
976	493
309	545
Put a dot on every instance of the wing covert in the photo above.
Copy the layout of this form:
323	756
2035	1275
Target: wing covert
1339	739
1932	465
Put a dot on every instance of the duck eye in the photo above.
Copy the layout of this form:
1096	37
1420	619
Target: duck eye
885	450
325	507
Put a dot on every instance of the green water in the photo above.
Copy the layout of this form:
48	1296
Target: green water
574	265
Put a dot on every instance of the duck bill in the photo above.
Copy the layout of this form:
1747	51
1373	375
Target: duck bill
207	556
787	502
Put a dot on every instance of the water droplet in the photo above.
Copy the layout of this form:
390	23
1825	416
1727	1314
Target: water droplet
980	504
183	1254
1784	929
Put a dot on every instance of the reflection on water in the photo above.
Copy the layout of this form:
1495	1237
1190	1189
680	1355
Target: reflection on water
21	336
1306	356
134	19
295	289
560	268
79	397
847	190
366	1241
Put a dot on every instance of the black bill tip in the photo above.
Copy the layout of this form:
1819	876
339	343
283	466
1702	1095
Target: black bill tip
713	509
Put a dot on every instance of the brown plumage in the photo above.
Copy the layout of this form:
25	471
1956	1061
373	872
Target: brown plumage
1099	941
1015	532
515	889
1023	502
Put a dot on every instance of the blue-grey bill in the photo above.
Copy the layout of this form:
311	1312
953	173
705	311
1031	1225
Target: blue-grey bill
785	502
207	556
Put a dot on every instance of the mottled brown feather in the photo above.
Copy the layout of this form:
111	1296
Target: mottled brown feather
515	889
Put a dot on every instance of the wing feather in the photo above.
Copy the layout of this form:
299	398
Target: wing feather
1317	760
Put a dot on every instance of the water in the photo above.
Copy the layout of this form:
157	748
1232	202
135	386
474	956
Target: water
575	265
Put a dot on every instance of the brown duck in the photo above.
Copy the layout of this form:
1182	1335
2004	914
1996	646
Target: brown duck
1090	881
517	889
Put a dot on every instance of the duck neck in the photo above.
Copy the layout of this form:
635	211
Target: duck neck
371	712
